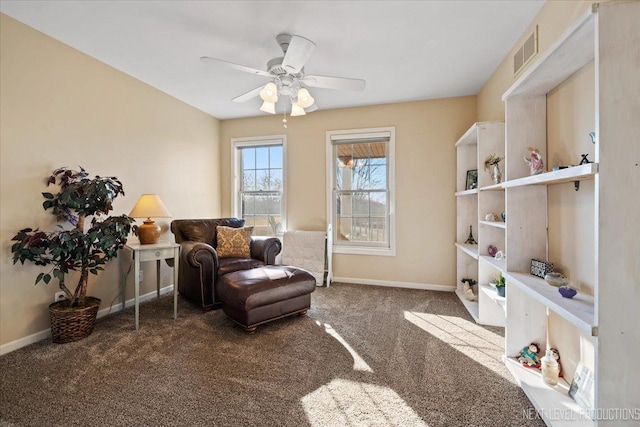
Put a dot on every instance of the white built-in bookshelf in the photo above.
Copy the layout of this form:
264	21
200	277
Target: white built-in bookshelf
479	141
600	327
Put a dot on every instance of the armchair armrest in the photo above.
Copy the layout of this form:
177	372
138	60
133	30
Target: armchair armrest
265	249
196	254
197	273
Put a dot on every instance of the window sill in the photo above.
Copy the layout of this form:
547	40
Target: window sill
362	250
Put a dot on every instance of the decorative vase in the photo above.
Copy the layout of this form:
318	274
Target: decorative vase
496	175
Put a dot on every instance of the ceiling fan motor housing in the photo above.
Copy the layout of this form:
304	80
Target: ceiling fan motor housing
283	40
275	67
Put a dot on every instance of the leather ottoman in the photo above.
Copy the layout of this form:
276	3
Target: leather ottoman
259	295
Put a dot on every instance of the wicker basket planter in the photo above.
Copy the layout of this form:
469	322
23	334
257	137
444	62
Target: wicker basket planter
73	324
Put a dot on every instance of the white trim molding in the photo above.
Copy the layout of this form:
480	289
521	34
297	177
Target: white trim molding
39	336
393	284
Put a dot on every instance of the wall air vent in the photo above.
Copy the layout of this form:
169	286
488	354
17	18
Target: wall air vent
527	51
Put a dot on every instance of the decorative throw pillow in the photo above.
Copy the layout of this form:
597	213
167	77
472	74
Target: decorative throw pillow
234	242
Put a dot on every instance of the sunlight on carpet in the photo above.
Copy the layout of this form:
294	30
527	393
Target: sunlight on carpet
358	362
474	341
351	403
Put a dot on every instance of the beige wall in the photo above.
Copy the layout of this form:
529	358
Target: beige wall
425	181
59	107
554	17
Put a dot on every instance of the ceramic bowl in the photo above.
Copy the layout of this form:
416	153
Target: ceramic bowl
555	279
567	291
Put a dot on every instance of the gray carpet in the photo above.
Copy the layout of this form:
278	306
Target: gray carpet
363	356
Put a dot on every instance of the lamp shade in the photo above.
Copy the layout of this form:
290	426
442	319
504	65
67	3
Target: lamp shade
268	107
297	110
304	98
269	92
148	206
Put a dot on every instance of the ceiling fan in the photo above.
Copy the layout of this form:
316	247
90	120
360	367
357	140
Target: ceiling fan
288	77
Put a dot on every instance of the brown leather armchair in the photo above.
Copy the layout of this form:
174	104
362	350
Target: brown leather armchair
200	266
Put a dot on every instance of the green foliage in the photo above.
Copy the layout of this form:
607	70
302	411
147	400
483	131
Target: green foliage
64	250
500	281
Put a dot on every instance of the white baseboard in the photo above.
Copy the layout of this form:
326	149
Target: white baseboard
407	285
129	303
24	341
39	336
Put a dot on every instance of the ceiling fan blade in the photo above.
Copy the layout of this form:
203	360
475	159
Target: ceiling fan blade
247	96
341	83
237	66
298	53
313	108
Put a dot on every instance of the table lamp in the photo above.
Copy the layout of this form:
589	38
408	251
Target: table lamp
149	205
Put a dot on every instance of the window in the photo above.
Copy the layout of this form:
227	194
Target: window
361	190
258	177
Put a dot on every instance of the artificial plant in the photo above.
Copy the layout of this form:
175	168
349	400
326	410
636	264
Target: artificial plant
67	249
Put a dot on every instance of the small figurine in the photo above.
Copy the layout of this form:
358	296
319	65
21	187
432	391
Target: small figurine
535	162
468	291
529	356
491	217
492	250
470	239
556	355
584	160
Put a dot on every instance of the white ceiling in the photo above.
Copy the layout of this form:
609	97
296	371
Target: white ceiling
405	50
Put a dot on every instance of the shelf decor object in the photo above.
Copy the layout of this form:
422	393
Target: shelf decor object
556	279
550	368
472	179
534	160
540	268
582	388
567	291
470	240
492	164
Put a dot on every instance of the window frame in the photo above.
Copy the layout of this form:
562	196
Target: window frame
361	248
236	167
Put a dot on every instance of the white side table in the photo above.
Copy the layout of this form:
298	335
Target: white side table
155	252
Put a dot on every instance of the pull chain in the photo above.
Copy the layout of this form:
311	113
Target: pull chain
284	118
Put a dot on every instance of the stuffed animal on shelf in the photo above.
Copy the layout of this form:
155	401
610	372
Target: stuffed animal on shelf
534	160
529	356
556	355
468	291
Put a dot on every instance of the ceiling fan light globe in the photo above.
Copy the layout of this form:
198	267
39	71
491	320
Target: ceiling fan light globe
297	110
268	107
304	98
269	93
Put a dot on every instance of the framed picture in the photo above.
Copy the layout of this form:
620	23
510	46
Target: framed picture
472	179
581	389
